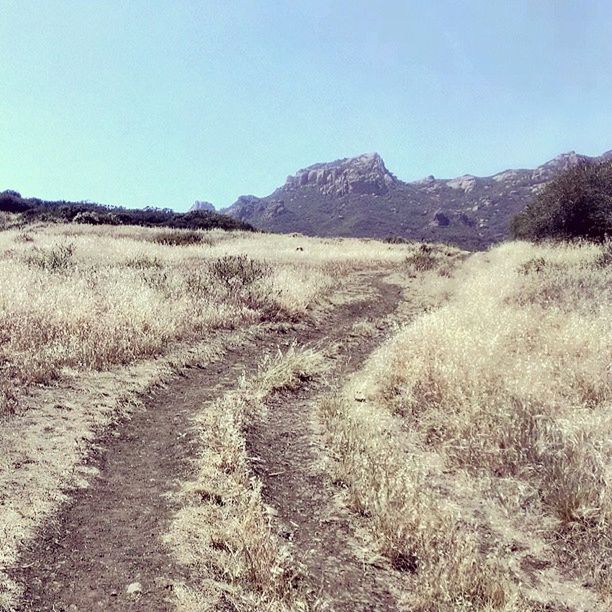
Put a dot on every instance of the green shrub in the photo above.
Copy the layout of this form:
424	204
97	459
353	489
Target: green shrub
91	217
576	204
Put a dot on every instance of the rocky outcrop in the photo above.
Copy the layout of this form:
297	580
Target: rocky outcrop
246	206
365	174
359	197
440	219
202	205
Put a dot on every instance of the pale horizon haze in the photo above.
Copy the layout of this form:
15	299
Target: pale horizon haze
161	103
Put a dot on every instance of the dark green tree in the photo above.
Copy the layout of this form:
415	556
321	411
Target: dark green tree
576	204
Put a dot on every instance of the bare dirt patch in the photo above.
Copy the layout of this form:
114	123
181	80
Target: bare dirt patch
288	459
108	536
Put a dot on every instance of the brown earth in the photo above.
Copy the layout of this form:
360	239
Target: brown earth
109	535
288	460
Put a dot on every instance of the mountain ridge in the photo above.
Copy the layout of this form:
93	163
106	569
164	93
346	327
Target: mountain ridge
359	196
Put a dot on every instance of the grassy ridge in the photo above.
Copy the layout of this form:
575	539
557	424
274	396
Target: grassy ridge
30	210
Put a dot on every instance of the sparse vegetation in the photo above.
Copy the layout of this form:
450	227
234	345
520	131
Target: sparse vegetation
68	302
106	312
181	238
223	531
472	452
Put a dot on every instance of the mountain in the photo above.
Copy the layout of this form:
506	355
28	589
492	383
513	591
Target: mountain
359	197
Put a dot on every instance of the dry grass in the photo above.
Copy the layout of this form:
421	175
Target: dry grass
104	313
43	445
88	298
89	302
223	530
107	312
494	408
409	521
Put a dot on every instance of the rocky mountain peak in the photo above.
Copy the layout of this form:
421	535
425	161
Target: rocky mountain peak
558	164
202	205
365	174
571	158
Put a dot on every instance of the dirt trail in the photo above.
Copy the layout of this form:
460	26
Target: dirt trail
109	535
287	452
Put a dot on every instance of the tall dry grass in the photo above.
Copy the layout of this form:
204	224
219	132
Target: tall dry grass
86	297
86	301
408	518
506	389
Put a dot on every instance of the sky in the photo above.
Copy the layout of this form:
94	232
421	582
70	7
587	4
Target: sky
164	102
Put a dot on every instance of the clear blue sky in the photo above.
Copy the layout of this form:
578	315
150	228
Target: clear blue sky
162	102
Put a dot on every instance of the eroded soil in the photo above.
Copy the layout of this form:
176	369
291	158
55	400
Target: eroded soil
288	457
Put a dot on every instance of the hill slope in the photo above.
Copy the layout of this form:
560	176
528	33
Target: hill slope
360	197
29	210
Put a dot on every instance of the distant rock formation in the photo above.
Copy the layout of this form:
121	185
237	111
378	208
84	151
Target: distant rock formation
202	205
358	196
365	174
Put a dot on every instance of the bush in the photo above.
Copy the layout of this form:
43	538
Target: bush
143	262
576	204
423	259
11	201
91	217
238	271
180	238
55	259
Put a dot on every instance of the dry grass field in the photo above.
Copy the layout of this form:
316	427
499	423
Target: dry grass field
91	317
482	457
370	426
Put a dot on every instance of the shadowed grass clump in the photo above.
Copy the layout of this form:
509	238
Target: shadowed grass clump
235	271
181	238
55	259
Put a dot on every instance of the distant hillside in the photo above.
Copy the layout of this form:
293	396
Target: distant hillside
34	209
360	197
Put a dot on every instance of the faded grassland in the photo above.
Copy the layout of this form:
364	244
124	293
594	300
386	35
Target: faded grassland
82	297
481	458
223	531
106	313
